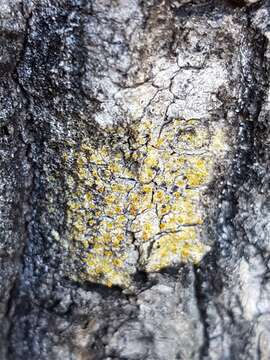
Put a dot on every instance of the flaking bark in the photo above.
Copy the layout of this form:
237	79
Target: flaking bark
67	69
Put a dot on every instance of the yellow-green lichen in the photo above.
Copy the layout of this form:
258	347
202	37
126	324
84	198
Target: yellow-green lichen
134	199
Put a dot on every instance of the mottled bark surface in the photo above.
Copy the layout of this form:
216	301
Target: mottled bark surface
69	69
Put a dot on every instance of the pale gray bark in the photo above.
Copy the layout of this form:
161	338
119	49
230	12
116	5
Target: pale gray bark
67	66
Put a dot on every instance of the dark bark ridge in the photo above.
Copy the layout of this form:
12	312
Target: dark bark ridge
64	66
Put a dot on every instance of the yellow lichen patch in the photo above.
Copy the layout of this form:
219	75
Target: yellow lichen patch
135	199
192	136
198	171
176	247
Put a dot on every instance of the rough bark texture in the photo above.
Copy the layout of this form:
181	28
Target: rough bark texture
67	68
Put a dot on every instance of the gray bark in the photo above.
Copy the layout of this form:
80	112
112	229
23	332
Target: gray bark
66	68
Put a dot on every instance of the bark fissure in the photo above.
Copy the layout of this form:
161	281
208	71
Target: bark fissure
81	66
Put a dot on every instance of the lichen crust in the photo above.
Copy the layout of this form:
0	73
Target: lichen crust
135	198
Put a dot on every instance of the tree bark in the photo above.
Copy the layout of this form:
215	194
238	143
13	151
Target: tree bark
81	78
